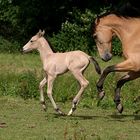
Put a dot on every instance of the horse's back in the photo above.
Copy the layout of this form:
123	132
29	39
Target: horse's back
61	62
76	60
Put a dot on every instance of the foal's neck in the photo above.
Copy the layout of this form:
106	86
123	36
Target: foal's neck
44	49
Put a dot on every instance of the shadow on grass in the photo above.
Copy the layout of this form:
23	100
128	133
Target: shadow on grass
122	117
79	117
113	117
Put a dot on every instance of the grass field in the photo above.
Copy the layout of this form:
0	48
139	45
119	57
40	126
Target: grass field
21	117
24	120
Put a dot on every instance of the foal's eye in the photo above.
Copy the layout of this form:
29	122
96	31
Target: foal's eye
31	41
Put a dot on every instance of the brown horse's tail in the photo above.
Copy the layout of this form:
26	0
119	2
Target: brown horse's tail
97	67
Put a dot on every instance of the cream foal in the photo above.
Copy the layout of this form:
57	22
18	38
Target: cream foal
58	63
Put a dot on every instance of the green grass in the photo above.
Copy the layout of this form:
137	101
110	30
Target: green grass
21	117
24	120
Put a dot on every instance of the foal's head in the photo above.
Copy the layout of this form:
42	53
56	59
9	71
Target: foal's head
34	42
103	36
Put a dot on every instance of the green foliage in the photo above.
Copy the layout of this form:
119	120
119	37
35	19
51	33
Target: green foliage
24	85
75	34
8	84
8	46
116	47
28	85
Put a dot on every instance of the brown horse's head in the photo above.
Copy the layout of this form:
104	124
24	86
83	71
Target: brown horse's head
103	36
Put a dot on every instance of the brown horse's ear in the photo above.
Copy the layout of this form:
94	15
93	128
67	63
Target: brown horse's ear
41	33
96	20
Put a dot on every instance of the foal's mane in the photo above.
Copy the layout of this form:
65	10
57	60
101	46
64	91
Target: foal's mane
50	44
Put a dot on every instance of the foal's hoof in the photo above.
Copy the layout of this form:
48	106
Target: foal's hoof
60	112
70	113
44	108
101	95
120	108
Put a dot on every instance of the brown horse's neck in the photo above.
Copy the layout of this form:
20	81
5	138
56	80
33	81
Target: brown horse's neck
118	26
121	27
44	49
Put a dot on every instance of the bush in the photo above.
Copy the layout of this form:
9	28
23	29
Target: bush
8	46
116	47
28	85
24	85
75	34
8	84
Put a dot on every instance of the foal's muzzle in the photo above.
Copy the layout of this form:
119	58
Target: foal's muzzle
107	57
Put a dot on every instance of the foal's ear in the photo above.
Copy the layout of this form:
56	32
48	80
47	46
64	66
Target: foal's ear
41	33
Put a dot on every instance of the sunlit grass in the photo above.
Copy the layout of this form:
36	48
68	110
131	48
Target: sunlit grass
23	119
21	74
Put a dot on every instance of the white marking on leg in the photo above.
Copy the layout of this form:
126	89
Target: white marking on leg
83	84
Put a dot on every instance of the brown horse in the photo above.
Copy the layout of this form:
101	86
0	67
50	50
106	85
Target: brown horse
127	29
55	64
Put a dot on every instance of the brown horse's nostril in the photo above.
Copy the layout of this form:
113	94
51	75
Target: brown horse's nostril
107	57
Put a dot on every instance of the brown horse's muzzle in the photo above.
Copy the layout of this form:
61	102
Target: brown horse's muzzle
106	57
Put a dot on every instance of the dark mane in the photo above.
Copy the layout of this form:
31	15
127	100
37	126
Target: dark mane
125	11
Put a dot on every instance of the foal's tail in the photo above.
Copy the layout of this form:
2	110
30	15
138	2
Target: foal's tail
97	67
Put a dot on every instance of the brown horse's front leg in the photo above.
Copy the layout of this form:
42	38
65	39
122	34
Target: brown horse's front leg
102	79
124	66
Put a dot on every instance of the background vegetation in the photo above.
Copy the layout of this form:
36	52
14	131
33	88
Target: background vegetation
68	27
68	23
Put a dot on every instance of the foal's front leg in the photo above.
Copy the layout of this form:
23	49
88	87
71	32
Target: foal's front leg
49	93
42	99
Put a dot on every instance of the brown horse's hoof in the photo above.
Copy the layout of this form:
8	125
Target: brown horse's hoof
120	108
101	95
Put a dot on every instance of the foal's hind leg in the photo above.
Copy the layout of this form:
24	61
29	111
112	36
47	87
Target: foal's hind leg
49	93
130	76
83	84
41	86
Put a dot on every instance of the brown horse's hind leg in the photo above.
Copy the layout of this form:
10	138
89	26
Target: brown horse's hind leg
130	76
